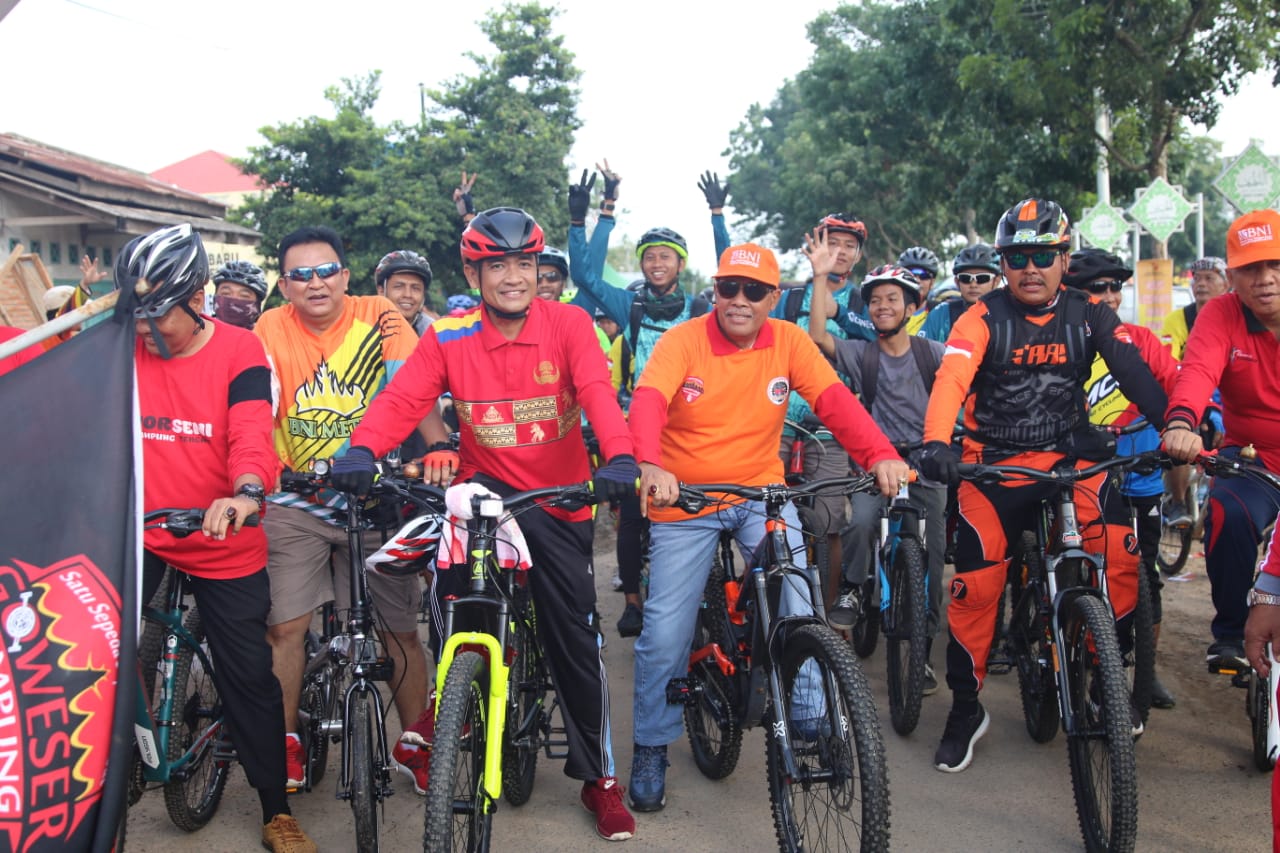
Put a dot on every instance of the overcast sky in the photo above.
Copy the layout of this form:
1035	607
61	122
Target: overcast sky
145	83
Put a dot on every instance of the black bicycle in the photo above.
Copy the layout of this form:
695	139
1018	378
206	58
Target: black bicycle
1062	640
828	786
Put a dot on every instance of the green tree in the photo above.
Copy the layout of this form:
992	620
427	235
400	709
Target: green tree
389	187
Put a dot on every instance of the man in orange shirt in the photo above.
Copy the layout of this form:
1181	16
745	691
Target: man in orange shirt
709	408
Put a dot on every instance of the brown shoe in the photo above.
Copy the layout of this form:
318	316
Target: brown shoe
283	835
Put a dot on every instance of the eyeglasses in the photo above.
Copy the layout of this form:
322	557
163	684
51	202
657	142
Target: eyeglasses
553	276
975	277
1104	286
753	290
921	272
305	273
1019	260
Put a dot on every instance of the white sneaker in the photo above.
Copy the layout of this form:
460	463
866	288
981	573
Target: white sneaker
617	582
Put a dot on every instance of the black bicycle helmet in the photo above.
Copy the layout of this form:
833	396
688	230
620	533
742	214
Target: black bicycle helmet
979	256
662	237
172	260
411	550
556	258
402	260
1091	264
846	223
1035	224
892	274
244	273
501	231
918	257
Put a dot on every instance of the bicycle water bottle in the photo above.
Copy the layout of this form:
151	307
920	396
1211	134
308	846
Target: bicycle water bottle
1273	727
795	467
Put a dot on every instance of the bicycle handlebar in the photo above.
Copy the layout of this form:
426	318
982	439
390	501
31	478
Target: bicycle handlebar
182	522
695	498
1146	462
1218	465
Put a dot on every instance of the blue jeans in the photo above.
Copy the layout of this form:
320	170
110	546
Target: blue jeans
680	556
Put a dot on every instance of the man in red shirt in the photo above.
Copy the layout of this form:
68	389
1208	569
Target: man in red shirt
1234	347
521	370
204	396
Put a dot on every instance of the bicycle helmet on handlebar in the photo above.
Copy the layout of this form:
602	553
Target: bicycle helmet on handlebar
402	260
244	273
411	550
501	231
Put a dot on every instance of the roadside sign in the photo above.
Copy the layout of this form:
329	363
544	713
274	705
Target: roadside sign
1251	182
1103	226
1160	209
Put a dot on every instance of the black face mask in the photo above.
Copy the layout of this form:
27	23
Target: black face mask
665	307
237	312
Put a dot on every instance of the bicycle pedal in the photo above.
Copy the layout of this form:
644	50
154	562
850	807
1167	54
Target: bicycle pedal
681	691
1240	679
1228	666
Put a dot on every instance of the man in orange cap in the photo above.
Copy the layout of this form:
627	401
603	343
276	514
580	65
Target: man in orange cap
709	408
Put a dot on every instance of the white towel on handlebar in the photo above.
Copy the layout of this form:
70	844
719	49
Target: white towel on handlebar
510	545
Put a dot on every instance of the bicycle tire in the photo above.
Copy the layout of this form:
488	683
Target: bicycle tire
458	816
150	648
1140	660
192	801
1175	542
711	718
905	643
1259	698
1101	752
849	810
1030	639
865	633
526	708
364	775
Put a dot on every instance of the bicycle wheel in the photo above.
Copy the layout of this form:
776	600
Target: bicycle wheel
905	626
526	708
711	718
364	774
1175	541
319	706
192	799
1030	637
1140	659
866	628
458	812
838	798
1103	771
1259	698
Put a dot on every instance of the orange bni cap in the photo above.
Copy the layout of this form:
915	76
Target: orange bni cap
750	261
1253	237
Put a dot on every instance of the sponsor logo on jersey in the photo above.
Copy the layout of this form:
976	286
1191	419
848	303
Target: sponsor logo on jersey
692	388
327	393
546	373
778	390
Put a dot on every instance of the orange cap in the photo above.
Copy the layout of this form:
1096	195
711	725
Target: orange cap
749	261
1253	237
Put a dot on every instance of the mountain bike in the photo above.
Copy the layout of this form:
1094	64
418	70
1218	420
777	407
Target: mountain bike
816	544
181	742
340	701
1176	539
493	715
828	786
1260	693
1062	640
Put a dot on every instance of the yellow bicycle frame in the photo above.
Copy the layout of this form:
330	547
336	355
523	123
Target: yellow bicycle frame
497	716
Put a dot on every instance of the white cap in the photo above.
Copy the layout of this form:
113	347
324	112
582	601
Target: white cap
56	297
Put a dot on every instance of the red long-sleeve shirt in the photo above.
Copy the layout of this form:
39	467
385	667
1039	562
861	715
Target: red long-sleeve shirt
1231	350
206	421
519	402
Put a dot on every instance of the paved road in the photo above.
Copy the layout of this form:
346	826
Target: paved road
1197	785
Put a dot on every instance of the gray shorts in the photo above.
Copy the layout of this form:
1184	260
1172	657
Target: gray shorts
298	546
823	458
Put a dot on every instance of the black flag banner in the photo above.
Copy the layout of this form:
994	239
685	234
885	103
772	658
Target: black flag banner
68	551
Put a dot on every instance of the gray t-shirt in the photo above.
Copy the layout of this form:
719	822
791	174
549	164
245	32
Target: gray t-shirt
900	398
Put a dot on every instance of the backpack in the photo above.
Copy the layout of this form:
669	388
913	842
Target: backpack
927	363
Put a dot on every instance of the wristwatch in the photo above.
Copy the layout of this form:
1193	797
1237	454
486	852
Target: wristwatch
255	493
1256	597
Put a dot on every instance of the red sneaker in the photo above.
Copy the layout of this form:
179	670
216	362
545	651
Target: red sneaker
414	762
294	762
603	798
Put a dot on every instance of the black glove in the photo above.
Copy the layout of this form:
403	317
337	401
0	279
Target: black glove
580	197
611	181
938	462
616	479
710	185
465	204
354	472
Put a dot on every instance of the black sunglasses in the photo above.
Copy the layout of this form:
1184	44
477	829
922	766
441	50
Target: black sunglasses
305	273
1104	286
1019	260
753	290
975	277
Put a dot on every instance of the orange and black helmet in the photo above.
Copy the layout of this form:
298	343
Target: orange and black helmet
1035	223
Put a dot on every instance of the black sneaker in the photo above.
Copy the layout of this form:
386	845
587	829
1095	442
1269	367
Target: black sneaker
843	614
930	681
1160	696
632	622
955	752
1226	656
